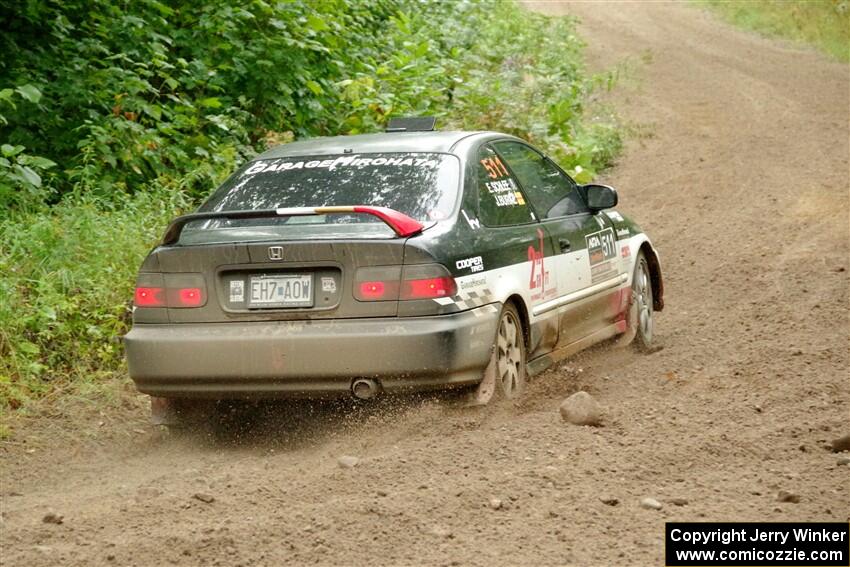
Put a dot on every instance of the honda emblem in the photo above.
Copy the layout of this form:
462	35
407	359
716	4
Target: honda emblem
275	252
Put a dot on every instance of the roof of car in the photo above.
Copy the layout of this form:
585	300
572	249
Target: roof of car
370	143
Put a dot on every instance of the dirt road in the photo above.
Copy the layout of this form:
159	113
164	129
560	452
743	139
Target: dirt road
741	177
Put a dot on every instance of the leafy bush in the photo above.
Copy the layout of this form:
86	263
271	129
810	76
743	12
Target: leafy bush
21	184
523	75
132	114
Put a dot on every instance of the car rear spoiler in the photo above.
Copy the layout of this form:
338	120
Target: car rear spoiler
401	224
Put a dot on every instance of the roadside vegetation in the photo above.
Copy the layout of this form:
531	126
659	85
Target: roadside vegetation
823	23
115	118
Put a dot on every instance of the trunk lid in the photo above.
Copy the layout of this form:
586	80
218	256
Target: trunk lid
280	280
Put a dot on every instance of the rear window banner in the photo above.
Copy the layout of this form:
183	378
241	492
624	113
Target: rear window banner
269	166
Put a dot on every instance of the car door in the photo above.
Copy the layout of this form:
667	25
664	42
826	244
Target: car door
584	243
515	249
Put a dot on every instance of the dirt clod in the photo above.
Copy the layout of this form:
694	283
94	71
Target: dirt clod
609	500
53	518
785	496
841	444
203	497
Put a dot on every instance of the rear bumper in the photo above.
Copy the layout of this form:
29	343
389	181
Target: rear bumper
310	358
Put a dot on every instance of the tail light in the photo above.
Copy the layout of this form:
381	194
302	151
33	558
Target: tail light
189	297
390	283
379	283
170	290
430	288
149	297
373	290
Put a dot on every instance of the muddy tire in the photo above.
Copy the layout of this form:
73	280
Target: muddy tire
640	323
505	376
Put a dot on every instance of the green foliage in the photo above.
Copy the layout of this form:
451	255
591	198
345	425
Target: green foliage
21	183
119	116
523	75
824	23
66	279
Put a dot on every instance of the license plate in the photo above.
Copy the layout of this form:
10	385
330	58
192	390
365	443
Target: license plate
290	290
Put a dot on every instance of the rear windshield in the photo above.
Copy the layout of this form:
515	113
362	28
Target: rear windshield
423	186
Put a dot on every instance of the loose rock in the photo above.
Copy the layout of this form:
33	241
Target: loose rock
650	504
678	501
841	444
495	503
609	500
785	496
53	518
205	498
441	531
347	461
581	409
843	460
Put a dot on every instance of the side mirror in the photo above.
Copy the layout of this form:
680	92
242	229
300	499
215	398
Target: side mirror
600	197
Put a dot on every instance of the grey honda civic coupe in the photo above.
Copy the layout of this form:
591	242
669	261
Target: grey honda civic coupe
404	261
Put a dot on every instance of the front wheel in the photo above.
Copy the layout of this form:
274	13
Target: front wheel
505	375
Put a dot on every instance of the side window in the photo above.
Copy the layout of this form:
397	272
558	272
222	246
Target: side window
552	194
500	201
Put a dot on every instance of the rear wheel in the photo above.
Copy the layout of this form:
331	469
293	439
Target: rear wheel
639	332
505	375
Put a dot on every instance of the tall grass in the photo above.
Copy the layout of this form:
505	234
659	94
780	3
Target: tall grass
65	285
823	23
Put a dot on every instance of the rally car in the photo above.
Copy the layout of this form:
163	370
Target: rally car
409	260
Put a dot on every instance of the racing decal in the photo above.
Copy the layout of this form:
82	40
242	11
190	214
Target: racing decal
468	299
623	233
495	168
505	192
475	264
504	189
539	279
615	216
601	249
468	284
267	166
473	222
626	251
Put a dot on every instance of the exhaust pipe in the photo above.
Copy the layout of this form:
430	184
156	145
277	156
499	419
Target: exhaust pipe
364	388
